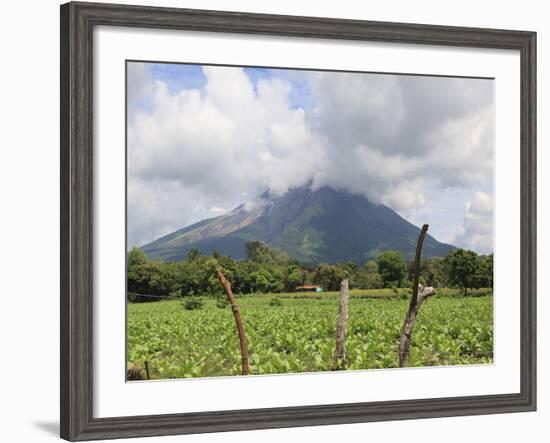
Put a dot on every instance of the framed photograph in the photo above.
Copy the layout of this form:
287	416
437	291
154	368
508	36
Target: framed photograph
272	221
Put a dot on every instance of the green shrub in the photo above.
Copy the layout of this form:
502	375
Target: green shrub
221	303
450	292
481	292
404	293
193	303
139	298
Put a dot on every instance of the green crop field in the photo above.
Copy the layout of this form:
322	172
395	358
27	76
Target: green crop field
296	333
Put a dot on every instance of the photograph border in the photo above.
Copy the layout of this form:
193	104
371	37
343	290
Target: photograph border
224	65
76	213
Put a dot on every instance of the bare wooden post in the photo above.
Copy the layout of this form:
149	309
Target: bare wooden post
340	357
418	296
147	370
242	337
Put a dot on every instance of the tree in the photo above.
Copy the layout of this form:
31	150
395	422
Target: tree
269	270
147	278
263	280
294	278
432	272
484	274
373	279
392	268
243	281
371	267
193	254
136	257
462	267
328	277
259	252
140	273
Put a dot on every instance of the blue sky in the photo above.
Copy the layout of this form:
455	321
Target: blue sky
421	145
179	76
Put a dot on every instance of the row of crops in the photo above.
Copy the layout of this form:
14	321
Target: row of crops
297	334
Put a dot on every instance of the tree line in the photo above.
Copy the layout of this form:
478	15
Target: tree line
268	270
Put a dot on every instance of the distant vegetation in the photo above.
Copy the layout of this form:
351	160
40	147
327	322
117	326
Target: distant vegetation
268	270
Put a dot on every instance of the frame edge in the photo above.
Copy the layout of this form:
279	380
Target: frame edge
76	182
528	179
76	207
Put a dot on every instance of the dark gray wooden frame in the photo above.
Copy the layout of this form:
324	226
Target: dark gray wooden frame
77	23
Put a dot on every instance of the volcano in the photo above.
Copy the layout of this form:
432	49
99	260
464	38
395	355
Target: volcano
311	226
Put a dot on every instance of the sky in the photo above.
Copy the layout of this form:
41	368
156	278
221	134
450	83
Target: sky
204	139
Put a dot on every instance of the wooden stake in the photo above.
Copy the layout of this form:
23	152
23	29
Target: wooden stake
147	370
242	337
340	357
419	294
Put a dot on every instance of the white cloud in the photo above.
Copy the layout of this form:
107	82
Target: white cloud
221	147
477	230
392	133
392	138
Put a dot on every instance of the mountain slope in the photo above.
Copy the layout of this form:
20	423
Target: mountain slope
321	226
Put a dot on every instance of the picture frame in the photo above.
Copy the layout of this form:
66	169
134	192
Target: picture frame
78	21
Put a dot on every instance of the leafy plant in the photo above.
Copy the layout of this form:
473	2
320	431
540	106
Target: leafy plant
299	336
221	303
192	303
